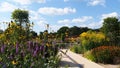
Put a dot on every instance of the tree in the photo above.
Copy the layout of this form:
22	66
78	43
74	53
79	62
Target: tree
20	16
63	30
111	29
74	31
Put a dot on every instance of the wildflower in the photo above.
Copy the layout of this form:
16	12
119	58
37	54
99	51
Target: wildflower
14	43
17	48
0	59
14	62
47	44
37	48
41	47
2	49
11	57
35	53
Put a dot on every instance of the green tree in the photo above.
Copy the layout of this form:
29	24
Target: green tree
63	30
63	37
20	16
74	31
111	29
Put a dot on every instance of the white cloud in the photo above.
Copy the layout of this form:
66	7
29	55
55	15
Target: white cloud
95	25
96	2
65	21
82	19
66	0
56	11
100	23
7	7
56	27
76	20
42	1
34	15
113	14
41	23
25	2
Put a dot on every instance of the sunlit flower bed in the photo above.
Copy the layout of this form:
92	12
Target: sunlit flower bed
104	54
28	55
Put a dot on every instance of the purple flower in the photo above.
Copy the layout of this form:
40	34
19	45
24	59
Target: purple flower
2	49
37	48
35	53
41	47
17	48
11	57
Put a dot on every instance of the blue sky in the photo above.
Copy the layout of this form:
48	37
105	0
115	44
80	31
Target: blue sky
58	13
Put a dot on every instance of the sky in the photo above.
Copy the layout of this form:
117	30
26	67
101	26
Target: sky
58	13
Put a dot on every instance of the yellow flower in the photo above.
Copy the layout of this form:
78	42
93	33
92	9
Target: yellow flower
0	59
47	44
14	62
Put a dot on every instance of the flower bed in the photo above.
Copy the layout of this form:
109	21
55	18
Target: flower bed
29	55
104	54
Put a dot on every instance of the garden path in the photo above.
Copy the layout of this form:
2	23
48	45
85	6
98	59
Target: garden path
70	59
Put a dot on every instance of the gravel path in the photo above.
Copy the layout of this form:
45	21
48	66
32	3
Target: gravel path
73	60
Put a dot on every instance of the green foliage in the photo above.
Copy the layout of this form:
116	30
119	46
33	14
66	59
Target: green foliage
20	47
90	40
76	31
77	49
62	30
89	56
61	45
29	54
20	15
63	37
103	54
33	34
111	29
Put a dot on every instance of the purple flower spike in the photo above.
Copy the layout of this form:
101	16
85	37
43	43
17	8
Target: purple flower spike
17	48
35	53
41	47
37	48
2	49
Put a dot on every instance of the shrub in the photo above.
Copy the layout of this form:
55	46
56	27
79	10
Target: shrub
77	49
89	56
62	45
90	40
104	54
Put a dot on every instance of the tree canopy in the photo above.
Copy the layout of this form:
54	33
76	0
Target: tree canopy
20	16
111	29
